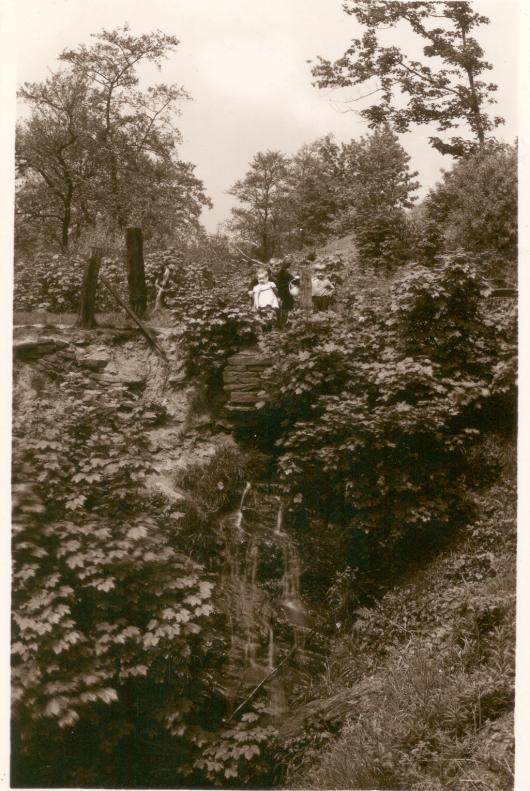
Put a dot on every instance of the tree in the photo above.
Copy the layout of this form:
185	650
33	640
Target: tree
98	150
263	191
376	189
314	172
53	152
132	123
474	207
443	88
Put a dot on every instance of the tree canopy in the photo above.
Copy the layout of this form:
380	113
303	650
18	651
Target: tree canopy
377	188
443	87
324	189
260	221
97	146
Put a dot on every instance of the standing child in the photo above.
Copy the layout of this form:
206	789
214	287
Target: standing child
265	293
322	288
283	279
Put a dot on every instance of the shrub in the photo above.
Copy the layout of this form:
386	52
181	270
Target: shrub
112	624
377	187
214	323
44	280
431	671
474	207
53	283
212	330
375	412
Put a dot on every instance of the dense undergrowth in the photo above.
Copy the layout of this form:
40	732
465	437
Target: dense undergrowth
391	420
429	670
110	615
386	424
120	638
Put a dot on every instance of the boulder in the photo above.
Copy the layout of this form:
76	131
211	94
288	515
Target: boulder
94	361
33	348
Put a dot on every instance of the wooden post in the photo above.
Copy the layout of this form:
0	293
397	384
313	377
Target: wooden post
306	300
87	306
135	271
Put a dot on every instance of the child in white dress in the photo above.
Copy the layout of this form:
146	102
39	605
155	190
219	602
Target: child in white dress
265	293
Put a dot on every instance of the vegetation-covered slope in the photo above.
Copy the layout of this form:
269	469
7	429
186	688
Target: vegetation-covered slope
422	683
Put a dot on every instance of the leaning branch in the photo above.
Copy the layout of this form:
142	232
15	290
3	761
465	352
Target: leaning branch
254	261
261	683
146	332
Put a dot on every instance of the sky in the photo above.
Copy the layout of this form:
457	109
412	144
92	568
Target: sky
245	64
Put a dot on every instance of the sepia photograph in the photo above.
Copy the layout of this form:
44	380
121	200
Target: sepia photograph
264	401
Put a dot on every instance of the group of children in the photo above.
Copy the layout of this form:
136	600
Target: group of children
276	297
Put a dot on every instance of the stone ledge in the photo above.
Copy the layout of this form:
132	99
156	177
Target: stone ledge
33	348
243	398
249	361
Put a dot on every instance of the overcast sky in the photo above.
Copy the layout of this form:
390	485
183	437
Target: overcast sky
245	64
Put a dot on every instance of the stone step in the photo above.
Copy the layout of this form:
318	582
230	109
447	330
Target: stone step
247	379
249	361
243	398
254	376
231	388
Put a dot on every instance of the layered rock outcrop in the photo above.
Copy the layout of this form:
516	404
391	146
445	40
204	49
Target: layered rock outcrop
245	380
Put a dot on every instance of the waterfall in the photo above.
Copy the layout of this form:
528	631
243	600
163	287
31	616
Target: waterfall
261	590
239	512
279	519
291	599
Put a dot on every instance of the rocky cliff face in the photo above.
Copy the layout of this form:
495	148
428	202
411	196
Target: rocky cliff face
120	358
258	567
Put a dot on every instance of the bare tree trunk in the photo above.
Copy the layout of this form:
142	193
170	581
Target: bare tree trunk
87	306
475	105
476	110
67	216
135	271
306	296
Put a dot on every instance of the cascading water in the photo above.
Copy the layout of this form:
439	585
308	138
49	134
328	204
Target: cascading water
291	576
262	594
239	512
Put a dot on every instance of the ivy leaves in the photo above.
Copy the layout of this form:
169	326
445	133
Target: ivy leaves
107	609
242	752
377	408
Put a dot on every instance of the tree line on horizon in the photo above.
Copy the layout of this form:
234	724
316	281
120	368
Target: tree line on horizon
98	152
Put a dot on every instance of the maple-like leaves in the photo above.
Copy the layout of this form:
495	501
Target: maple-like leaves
444	88
103	598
